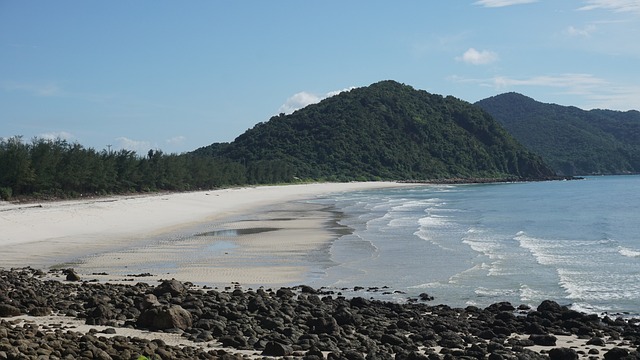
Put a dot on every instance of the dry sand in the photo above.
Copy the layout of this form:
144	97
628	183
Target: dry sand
250	235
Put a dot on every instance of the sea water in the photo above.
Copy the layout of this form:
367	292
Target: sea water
574	242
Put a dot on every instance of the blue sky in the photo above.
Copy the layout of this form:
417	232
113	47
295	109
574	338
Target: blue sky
176	76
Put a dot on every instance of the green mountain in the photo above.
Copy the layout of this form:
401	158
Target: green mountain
572	141
383	131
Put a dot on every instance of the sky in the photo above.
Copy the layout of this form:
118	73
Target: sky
178	75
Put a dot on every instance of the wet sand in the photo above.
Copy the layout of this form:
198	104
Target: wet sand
252	236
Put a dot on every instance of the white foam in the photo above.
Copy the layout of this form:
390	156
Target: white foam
632	253
430	224
599	286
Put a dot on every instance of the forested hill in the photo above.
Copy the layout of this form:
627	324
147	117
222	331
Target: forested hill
571	140
383	131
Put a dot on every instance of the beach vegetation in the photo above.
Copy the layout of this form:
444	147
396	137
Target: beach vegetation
54	169
6	193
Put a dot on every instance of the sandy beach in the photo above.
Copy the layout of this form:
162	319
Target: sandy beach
236	239
251	235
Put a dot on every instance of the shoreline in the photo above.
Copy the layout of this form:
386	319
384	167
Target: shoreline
148	233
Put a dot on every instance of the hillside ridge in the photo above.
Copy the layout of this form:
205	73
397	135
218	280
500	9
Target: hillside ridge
571	140
384	131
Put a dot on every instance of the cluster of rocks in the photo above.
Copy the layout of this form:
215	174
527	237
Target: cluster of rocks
289	322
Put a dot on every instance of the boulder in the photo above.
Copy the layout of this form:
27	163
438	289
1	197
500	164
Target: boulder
40	311
173	287
550	306
7	310
597	341
274	348
72	275
563	354
543	340
150	301
162	318
616	353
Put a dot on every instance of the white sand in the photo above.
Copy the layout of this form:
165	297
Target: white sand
113	229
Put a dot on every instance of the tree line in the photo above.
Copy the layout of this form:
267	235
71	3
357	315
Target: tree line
45	168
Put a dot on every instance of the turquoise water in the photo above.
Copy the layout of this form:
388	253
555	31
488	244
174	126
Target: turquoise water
575	242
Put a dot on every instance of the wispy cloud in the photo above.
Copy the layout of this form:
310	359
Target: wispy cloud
63	135
632	6
139	146
475	57
576	84
45	89
176	140
580	32
595	92
502	3
299	100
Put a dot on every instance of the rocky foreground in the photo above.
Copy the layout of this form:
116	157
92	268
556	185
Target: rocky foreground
296	322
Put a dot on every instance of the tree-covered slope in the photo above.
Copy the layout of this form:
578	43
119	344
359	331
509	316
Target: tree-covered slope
384	131
571	140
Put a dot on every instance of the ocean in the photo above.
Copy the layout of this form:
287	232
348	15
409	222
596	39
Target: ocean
574	242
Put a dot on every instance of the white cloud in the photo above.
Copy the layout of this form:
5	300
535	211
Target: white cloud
584	32
304	98
298	101
475	57
139	146
176	140
613	5
502	3
63	135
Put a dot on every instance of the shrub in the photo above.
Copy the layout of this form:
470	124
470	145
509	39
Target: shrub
6	193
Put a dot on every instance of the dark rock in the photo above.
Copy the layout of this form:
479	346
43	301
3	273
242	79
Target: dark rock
235	341
550	306
323	325
616	354
150	300
277	349
72	275
173	287
597	341
7	310
313	354
351	354
425	297
284	292
543	340
487	334
40	311
307	289
163	318
563	354
100	315
359	302
391	339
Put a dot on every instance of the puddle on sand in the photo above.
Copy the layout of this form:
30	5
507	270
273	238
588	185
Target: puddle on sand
237	232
